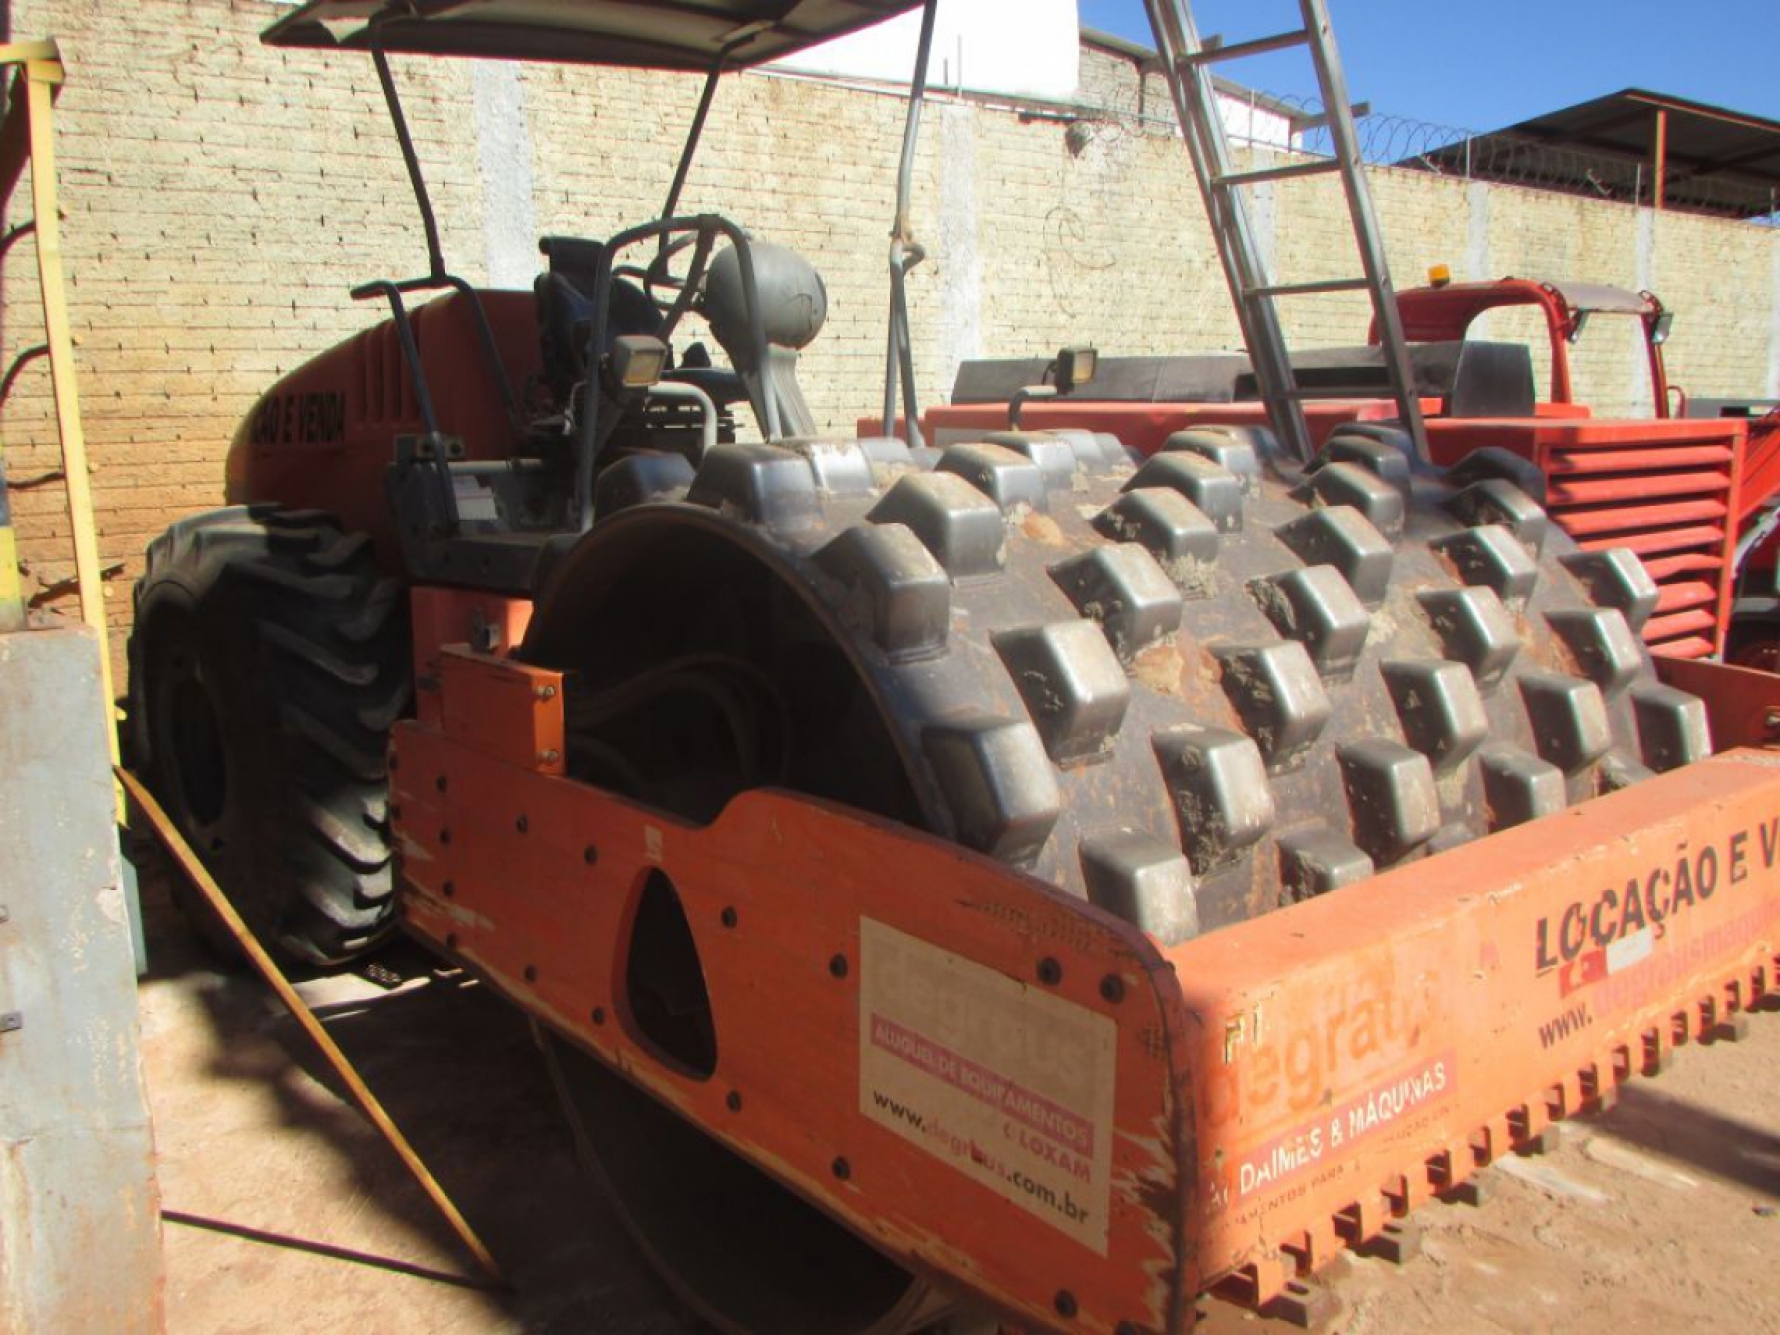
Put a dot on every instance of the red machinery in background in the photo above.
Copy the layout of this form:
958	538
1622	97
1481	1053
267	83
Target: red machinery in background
1750	634
1693	496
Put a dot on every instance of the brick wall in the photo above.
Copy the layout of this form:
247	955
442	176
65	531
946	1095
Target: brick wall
221	198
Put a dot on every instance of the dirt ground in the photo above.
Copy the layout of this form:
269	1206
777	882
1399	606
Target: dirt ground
285	1213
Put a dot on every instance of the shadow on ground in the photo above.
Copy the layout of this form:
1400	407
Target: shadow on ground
457	1070
1728	1148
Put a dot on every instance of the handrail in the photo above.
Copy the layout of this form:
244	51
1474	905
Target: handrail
705	225
491	351
423	394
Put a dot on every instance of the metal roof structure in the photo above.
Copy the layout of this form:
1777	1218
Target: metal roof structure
667	34
1635	146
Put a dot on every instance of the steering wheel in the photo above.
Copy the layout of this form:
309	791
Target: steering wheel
667	289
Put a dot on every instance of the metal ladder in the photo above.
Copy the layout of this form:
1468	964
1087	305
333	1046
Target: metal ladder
1186	62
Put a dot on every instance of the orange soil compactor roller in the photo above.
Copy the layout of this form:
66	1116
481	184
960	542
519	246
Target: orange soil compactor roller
1036	877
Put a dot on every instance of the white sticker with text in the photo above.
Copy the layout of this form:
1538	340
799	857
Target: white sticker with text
1007	1083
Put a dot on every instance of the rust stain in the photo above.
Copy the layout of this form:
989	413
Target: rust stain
1044	529
1160	668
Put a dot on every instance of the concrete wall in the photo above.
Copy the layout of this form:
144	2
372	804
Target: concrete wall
221	197
80	1227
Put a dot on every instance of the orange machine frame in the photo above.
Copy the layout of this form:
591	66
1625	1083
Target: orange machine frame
1227	1113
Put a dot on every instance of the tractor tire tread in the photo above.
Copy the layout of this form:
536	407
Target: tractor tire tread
302	651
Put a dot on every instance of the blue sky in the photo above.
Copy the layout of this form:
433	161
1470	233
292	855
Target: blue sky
1483	64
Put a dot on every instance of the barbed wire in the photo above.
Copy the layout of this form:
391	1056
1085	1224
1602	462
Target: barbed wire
1513	159
1295	123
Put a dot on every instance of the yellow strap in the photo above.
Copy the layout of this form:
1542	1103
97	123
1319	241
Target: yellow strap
213	896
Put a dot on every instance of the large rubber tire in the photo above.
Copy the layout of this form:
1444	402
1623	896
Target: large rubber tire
268	662
1191	689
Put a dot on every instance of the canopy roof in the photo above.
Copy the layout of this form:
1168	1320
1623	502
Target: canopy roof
655	34
1709	159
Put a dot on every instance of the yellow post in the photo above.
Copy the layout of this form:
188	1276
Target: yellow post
40	66
43	77
12	605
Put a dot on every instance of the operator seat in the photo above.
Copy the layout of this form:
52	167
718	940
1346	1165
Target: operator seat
565	310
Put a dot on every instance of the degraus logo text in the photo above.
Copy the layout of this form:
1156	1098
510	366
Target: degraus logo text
1653	897
1363	1025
